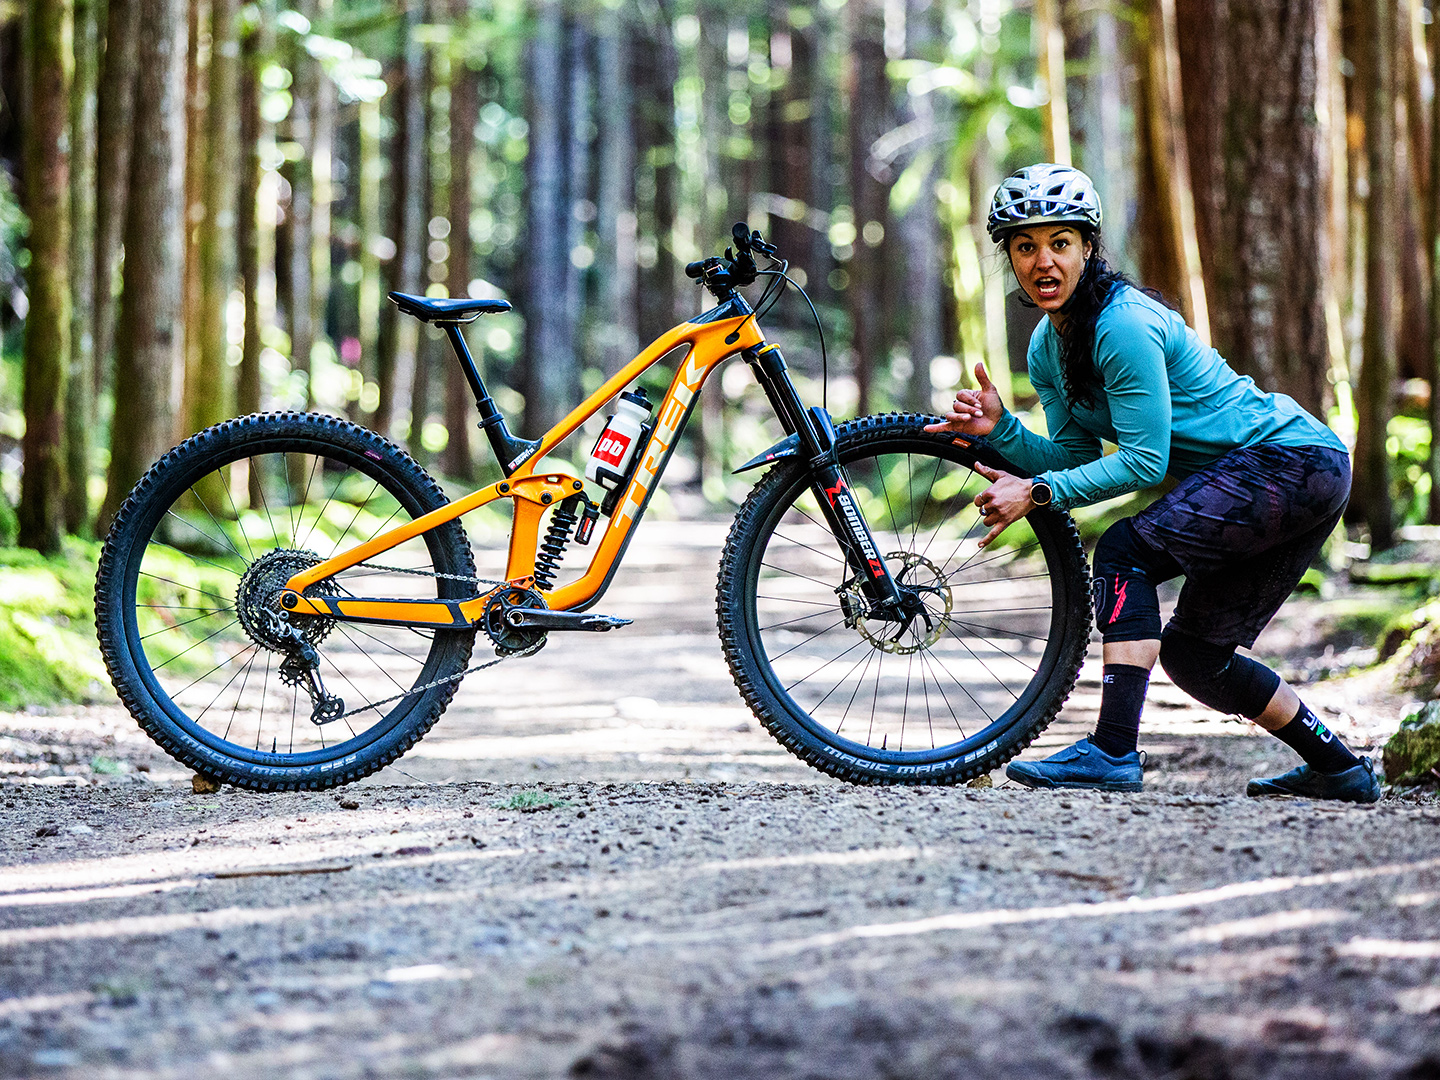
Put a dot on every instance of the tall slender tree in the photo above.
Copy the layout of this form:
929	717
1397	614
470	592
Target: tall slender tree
1261	204
115	110
615	195
149	338
47	326
869	108
1371	495
459	459
208	396
80	385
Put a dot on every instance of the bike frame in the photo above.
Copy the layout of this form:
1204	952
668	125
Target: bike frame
710	339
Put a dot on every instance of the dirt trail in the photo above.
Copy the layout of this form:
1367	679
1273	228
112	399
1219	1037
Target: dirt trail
696	903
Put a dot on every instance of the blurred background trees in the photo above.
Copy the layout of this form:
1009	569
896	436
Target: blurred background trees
202	205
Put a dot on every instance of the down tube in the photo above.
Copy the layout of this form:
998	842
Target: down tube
678	405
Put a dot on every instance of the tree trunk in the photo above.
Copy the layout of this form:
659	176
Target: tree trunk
1377	369
400	334
459	460
654	72
115	110
421	381
1055	113
149	337
80	385
920	232
1432	246
300	219
550	359
47	325
255	235
197	93
371	176
869	119
1257	164
322	185
208	397
615	198
1171	257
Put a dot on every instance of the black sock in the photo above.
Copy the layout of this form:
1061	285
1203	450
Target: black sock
1318	745
1122	696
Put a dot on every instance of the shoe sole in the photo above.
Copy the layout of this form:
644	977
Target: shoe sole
1254	791
1040	782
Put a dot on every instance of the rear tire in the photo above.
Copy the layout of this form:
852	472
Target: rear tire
963	693
189	579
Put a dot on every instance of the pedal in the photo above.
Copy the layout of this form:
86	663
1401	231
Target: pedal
544	619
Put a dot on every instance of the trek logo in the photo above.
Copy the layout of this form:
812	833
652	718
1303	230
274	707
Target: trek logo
611	447
843	501
688	380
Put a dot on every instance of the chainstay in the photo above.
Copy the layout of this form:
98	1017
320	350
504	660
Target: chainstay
448	678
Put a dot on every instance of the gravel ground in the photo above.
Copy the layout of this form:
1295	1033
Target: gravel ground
696	903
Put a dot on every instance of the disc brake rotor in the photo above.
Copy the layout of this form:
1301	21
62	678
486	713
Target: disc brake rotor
917	577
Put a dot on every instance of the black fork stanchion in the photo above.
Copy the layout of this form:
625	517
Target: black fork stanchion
827	477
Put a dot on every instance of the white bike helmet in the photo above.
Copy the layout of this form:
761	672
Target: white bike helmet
1043	194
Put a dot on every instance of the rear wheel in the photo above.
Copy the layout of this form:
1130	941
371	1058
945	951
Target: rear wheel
959	690
187	609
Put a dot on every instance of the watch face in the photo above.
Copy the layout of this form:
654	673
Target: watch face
1040	493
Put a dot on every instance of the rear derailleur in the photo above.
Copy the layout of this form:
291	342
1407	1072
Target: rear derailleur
301	667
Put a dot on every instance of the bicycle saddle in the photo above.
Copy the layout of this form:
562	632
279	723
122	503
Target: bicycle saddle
460	309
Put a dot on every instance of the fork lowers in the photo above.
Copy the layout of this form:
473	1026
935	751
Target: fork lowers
557	538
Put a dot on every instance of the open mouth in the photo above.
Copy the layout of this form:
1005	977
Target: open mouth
1047	288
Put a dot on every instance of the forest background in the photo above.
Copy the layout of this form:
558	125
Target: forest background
202	206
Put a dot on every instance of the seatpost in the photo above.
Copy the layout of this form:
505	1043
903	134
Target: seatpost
510	451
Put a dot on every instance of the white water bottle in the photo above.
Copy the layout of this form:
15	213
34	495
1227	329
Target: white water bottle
616	448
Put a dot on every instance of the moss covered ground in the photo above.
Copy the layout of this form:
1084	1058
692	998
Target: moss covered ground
48	653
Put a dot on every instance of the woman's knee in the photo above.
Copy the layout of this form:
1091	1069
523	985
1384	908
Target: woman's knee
1123	585
1215	675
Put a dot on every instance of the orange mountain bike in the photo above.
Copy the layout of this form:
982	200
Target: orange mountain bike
288	600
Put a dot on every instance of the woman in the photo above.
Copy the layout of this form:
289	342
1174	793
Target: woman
1261	485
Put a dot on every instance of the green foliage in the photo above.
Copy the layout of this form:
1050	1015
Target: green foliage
48	654
1408	444
532	802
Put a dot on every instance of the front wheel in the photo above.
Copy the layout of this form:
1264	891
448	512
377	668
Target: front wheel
954	693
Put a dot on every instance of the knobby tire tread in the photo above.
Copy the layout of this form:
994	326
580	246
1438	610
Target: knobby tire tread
870	432
215	765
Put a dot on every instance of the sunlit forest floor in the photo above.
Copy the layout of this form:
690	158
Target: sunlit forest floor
696	902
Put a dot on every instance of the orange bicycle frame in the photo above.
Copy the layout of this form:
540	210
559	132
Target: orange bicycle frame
534	490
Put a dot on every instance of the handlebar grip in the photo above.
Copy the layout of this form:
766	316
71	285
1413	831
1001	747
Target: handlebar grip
696	269
741	234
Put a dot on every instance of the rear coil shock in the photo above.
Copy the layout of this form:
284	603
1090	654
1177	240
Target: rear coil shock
557	538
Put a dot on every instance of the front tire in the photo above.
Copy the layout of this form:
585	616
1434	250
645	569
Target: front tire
958	692
186	593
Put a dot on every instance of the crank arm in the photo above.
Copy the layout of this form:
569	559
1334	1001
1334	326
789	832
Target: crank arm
545	619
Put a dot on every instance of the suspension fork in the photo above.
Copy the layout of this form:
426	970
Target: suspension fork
828	481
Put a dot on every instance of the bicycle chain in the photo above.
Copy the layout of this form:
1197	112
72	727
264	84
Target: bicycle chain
448	678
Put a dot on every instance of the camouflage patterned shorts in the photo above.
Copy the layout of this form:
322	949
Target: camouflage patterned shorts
1243	532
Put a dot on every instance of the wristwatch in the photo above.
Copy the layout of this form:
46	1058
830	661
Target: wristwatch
1040	493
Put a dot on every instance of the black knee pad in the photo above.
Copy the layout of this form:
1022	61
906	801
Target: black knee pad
1214	675
1123	585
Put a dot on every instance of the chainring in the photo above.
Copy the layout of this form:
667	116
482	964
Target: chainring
511	640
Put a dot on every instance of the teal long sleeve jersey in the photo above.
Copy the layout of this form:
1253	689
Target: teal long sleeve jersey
1170	404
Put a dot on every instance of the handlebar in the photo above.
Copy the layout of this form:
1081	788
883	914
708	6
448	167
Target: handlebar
720	275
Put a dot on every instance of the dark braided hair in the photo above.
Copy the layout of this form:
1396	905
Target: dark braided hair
1098	283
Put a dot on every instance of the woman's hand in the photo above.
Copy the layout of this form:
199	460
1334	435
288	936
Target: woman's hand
975	412
1004	502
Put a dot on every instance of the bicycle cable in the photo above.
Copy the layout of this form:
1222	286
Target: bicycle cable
762	307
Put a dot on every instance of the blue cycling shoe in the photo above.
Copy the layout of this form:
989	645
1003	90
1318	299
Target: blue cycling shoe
1357	784
1083	765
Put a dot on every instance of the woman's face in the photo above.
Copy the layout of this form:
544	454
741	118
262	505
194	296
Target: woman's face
1048	261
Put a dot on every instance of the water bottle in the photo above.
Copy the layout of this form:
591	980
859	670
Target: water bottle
615	450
